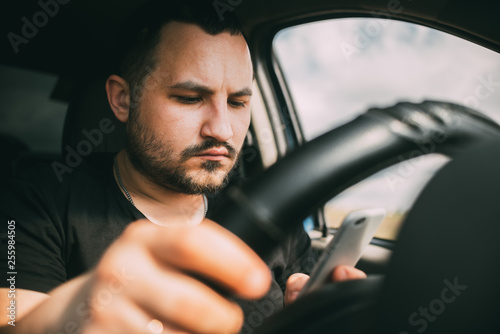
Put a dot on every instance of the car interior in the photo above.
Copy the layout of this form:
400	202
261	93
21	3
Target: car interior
437	275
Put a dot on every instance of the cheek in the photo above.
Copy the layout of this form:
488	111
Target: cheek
175	125
163	113
179	133
241	122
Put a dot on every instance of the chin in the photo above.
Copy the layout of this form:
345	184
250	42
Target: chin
211	181
210	178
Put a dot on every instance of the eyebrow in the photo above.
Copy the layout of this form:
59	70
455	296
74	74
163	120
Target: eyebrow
244	92
193	86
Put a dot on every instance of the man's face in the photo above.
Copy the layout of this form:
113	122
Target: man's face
194	110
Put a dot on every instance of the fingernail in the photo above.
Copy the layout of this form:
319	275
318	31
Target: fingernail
342	275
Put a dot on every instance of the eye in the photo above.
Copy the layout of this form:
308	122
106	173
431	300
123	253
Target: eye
237	104
188	99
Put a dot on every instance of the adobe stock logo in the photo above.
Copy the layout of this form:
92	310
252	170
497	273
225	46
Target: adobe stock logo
222	7
30	28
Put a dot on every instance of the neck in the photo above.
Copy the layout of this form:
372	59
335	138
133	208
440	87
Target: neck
162	206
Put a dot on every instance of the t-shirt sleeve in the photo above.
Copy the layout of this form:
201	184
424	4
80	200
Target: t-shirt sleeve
27	207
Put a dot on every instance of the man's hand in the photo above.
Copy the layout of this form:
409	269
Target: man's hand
157	276
296	282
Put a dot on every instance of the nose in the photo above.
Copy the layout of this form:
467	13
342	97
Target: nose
217	124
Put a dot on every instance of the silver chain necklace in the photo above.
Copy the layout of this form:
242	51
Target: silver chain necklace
122	186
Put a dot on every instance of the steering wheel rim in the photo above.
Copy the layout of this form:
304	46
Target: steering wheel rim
262	212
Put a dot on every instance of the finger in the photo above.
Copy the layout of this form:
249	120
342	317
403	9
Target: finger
345	273
210	251
115	314
186	303
294	285
170	295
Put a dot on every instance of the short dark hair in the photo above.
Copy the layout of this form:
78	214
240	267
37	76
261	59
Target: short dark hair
141	34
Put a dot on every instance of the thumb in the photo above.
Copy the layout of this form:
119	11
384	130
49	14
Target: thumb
345	273
294	285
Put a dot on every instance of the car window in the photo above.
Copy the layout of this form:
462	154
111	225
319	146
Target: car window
336	69
27	111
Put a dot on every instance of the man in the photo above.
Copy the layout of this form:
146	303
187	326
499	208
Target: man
184	92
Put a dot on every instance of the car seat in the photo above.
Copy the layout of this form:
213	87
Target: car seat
87	109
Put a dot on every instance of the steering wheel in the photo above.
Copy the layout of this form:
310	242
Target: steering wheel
263	212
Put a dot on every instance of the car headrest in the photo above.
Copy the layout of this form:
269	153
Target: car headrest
443	277
90	125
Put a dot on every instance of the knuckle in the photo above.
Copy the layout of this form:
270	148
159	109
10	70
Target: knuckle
102	272
186	238
98	313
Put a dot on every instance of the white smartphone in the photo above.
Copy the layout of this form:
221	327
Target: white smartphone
347	245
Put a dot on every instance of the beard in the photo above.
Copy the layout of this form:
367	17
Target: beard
161	166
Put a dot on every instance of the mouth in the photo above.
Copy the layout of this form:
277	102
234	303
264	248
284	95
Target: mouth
214	154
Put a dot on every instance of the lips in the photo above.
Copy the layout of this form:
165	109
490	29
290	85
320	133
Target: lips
217	153
210	150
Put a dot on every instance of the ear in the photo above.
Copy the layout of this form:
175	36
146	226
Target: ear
118	92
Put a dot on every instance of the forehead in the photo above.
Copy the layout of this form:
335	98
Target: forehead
187	52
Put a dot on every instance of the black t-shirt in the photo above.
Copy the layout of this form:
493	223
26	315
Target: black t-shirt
63	225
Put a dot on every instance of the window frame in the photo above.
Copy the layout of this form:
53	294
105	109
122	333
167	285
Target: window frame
272	82
277	96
